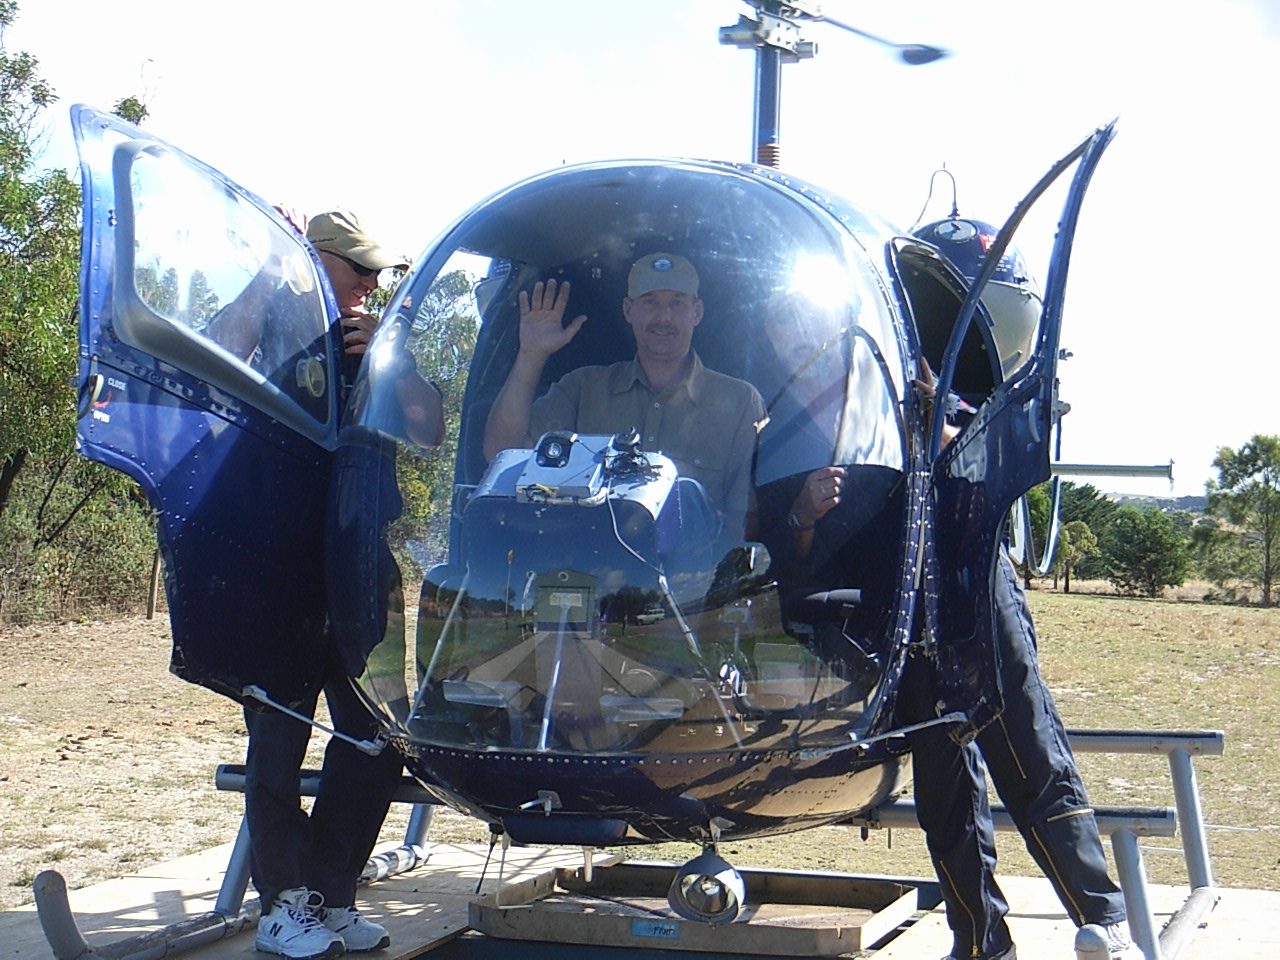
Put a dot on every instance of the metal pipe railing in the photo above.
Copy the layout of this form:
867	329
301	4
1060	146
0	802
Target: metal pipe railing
1125	825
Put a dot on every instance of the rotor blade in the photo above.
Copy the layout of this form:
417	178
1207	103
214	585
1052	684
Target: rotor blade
912	53
919	53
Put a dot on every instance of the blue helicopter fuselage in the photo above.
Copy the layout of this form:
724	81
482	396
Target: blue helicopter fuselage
602	638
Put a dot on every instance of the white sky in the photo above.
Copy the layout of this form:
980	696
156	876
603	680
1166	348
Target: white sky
409	111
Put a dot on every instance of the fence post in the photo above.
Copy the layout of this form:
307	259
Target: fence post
153	593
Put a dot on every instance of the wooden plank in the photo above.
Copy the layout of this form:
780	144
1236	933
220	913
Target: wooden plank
428	906
786	913
422	908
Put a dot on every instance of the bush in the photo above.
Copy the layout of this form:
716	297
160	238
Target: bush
1144	552
99	562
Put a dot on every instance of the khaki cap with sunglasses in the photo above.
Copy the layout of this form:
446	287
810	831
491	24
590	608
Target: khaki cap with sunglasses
340	232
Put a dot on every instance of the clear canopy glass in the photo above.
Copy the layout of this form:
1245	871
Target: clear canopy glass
596	593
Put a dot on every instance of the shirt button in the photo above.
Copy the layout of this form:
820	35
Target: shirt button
657	405
697	462
649	440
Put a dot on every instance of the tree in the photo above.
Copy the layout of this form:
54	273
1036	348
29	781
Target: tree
39	270
71	531
1247	494
1076	542
1084	502
1144	552
131	109
1221	555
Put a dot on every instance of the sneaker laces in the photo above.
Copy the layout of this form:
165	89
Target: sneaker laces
1119	941
1118	936
304	907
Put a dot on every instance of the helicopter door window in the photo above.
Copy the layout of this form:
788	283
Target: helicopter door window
210	282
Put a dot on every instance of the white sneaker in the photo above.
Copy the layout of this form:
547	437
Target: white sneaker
1120	943
358	933
291	929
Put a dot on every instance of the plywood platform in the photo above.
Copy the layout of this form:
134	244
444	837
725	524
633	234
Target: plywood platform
785	914
427	908
421	908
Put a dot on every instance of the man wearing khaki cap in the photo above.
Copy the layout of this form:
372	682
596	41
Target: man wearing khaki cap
263	325
305	867
703	420
353	261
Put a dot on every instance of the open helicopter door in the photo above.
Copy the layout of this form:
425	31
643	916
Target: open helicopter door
999	455
209	372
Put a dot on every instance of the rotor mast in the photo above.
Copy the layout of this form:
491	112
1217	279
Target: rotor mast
775	37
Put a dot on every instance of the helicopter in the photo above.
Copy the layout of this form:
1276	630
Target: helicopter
581	645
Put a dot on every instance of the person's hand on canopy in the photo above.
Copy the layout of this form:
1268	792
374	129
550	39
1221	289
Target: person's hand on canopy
294	216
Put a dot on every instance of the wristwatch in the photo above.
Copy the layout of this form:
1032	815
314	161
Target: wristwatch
796	524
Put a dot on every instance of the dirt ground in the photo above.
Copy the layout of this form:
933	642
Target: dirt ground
100	750
107	760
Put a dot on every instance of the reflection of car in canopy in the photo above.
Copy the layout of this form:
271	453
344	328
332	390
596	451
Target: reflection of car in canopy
582	667
650	615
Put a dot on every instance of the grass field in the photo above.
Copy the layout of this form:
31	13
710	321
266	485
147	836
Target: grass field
1158	664
106	761
1116	662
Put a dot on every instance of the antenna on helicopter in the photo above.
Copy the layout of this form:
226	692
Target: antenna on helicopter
775	37
955	201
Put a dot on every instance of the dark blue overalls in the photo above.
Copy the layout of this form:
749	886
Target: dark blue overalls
326	851
1030	763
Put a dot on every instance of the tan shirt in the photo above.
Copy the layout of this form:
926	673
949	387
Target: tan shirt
705	423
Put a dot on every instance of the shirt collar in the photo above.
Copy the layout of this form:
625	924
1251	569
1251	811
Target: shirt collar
628	374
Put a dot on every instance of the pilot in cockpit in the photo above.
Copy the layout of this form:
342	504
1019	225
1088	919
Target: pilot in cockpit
703	420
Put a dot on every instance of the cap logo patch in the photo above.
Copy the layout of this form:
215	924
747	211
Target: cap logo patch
662	263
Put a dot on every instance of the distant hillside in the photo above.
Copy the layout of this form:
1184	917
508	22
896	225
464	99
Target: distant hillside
1190	504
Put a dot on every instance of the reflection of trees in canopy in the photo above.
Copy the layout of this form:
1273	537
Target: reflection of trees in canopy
202	301
444	338
732	579
160	291
445	329
627	603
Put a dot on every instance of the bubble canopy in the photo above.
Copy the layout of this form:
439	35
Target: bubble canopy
599	594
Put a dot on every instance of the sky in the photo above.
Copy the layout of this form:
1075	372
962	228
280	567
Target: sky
411	111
